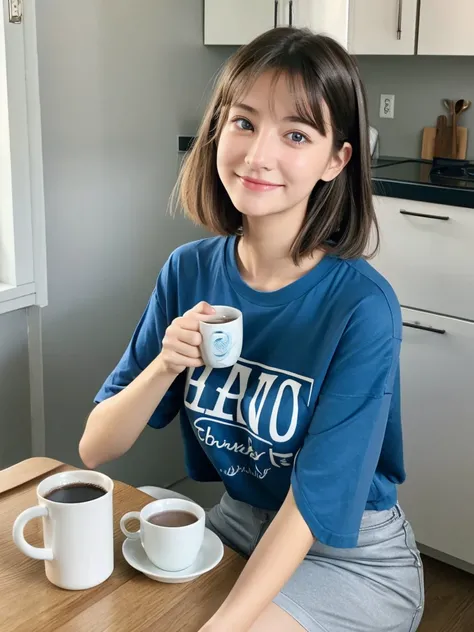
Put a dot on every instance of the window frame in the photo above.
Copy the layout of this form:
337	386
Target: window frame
23	278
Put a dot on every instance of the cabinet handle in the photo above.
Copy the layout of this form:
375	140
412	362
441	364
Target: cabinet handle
431	330
275	15
291	12
399	25
443	218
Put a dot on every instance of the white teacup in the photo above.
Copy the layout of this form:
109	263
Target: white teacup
222	337
78	536
171	548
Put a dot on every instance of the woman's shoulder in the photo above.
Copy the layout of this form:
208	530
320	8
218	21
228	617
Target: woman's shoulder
376	299
201	249
190	260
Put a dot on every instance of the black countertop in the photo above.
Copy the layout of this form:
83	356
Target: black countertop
410	179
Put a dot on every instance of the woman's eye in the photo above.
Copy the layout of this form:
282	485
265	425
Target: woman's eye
243	124
298	138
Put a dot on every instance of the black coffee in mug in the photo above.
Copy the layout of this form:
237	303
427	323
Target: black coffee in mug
75	493
174	518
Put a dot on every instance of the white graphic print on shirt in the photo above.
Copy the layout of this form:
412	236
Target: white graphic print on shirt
251	410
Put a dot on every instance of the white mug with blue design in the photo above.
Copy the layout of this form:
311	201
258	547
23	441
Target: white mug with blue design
222	337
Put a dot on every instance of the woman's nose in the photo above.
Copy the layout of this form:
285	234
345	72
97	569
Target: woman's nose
261	153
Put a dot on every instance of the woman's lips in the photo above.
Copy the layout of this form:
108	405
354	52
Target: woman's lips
254	184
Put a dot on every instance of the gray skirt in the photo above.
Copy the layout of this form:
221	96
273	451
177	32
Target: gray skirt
375	587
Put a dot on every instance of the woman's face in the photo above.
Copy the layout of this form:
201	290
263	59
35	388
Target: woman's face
268	159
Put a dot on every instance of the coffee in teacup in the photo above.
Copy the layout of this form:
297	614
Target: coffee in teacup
173	518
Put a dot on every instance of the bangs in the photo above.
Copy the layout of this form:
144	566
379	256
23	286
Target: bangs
302	82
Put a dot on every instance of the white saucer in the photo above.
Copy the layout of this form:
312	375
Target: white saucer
209	556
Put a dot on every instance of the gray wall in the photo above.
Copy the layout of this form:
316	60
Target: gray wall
118	81
419	85
15	435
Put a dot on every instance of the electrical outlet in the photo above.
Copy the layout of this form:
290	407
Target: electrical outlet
387	106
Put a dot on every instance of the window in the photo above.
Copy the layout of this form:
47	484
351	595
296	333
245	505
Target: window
22	230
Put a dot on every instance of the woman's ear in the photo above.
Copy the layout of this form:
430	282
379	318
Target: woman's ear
337	162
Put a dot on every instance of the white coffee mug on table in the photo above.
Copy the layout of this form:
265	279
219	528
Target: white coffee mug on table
78	537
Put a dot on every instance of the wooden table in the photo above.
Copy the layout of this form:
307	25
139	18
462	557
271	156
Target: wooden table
127	601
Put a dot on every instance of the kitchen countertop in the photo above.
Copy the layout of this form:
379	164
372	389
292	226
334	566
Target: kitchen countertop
409	179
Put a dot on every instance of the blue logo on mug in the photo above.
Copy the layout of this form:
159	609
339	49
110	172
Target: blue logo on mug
221	343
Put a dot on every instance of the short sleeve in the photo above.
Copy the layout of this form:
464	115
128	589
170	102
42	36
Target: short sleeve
143	347
335	467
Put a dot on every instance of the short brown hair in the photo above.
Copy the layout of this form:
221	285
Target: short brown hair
340	214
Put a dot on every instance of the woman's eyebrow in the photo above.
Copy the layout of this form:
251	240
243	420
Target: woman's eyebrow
244	106
292	118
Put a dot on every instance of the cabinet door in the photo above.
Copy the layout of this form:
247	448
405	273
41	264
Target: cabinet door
446	28
382	27
438	426
330	17
237	22
426	253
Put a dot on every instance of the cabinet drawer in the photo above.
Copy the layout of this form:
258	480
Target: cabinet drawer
427	254
438	431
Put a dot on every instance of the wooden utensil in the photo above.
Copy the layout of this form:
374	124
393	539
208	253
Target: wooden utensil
454	108
441	125
445	139
459	107
466	105
454	136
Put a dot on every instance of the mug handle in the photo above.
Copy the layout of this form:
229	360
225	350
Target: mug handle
131	515
37	553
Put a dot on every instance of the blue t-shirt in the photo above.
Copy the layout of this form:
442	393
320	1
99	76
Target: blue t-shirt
314	400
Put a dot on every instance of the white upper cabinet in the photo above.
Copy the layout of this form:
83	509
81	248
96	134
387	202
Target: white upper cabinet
237	22
446	28
330	17
383	27
364	27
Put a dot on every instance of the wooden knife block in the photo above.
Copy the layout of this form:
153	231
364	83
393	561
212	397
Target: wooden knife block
428	144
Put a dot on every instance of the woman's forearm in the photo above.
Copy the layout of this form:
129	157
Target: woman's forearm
277	556
115	424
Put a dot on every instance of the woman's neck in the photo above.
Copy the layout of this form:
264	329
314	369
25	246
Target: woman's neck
264	254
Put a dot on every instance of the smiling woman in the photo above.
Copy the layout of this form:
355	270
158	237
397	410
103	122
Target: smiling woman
304	428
